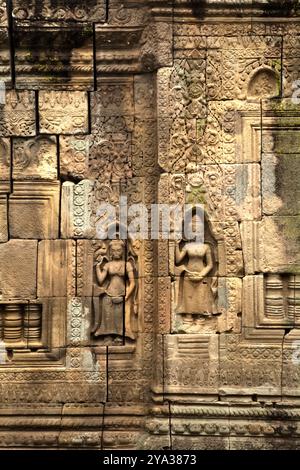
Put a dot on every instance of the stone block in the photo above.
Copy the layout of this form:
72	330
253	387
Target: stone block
34	210
54	57
251	366
5	163
74	156
63	112
271	300
291	365
191	365
281	184
35	159
17	115
18	269
56	268
5	67
271	245
3	219
25	11
76	210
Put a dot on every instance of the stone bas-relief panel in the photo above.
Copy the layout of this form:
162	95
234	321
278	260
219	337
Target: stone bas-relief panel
74	156
115	291
149	344
234	63
225	307
35	158
17	114
63	112
191	363
111	276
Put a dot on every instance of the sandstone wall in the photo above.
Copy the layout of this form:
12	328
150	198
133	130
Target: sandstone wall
167	102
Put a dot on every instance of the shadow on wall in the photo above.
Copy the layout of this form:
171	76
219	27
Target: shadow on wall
198	8
271	8
281	8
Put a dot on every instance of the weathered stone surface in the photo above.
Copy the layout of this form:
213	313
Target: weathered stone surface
227	192
78	322
63	112
56	268
120	343
3	13
3	219
74	156
251	366
271	245
33	331
34	210
200	443
17	115
76	211
191	363
65	10
54	57
5	67
271	300
18	269
290	365
35	159
240	67
164	293
280	178
5	163
290	64
229	304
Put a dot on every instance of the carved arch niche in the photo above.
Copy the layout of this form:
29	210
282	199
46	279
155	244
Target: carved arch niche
263	83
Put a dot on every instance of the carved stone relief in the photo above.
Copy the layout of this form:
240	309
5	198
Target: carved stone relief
71	112
115	292
21	325
74	154
35	158
237	62
271	300
18	114
121	343
33	332
5	159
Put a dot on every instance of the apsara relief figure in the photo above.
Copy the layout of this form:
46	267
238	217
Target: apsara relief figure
196	284
115	292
